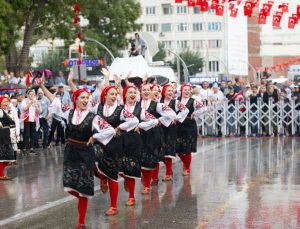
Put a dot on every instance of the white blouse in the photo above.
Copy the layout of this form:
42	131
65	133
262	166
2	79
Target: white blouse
149	121
13	114
199	108
31	111
104	131
181	110
130	121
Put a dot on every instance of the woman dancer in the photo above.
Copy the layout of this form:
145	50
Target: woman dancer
168	149
187	130
132	144
12	112
7	125
155	92
79	157
153	113
108	158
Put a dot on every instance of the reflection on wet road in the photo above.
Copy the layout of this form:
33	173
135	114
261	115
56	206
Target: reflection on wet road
235	183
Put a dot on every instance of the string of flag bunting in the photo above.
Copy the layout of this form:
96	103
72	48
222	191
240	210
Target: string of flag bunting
279	66
79	36
234	6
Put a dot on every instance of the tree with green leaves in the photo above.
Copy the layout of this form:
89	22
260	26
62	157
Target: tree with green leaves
109	23
193	61
31	20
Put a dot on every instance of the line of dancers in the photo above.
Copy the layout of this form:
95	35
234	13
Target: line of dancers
126	138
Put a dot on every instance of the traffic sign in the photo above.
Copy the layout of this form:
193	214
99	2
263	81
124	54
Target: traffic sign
86	62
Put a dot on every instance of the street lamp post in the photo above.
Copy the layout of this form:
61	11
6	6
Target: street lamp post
102	45
253	69
185	69
226	68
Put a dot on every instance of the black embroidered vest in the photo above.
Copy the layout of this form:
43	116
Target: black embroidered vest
83	131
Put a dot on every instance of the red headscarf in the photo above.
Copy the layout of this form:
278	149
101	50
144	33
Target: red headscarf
4	97
164	89
77	93
104	93
125	91
184	85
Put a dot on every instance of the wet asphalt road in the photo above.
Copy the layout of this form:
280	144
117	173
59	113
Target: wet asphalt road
234	183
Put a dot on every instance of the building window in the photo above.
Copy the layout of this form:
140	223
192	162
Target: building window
181	9
214	26
183	44
214	44
152	27
166	27
150	10
198	27
198	44
182	27
167	44
213	66
167	9
197	10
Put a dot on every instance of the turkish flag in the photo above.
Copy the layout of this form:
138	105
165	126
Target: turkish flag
28	78
214	4
231	6
292	23
190	3
76	20
178	1
248	8
262	19
79	49
220	10
284	7
295	16
204	6
298	11
278	13
266	9
276	20
79	35
77	8
234	12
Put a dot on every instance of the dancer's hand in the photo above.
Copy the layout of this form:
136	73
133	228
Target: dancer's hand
90	142
118	131
137	129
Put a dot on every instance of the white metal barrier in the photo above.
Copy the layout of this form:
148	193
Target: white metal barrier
259	119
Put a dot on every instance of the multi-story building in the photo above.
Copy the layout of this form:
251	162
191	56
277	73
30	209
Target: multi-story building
222	41
270	45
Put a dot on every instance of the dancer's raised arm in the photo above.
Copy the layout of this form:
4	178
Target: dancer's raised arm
47	93
70	80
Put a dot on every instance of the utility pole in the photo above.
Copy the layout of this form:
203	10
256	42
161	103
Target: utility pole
178	70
